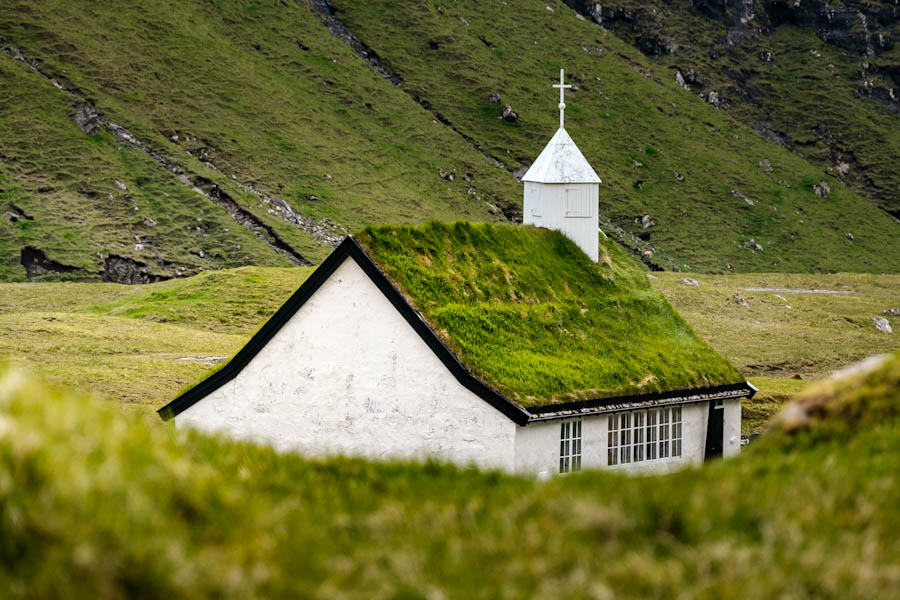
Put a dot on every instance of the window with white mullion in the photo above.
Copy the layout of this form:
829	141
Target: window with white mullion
612	440
664	433
644	435
651	434
676	431
570	446
625	438
637	454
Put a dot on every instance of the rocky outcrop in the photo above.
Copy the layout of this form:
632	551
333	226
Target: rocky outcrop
37	263
121	269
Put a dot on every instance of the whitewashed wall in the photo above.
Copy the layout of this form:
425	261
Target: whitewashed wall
731	444
537	444
546	206
348	375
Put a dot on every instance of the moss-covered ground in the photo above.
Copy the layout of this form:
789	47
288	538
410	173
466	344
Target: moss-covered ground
527	311
270	98
97	504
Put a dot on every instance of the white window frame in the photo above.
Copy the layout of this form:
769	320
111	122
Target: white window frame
570	446
649	435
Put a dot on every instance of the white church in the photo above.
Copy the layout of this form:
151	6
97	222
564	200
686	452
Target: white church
351	365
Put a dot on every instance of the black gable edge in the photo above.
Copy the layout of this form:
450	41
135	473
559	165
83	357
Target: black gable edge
349	247
746	387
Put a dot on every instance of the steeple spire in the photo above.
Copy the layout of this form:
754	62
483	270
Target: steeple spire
562	99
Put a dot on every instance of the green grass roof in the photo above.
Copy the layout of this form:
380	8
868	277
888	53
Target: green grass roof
527	311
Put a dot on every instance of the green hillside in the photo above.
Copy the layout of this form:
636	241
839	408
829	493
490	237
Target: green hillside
97	504
815	76
528	312
263	137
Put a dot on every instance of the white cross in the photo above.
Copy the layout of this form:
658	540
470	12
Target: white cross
562	98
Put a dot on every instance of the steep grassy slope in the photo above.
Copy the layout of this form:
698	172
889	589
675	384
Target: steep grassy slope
527	311
634	124
100	505
231	92
829	102
262	104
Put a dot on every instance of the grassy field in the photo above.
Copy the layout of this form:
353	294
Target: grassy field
262	94
96	504
125	342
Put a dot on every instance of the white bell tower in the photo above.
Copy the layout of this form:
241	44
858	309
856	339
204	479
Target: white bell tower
561	190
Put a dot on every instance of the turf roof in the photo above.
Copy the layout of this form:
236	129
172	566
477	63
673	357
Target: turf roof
528	312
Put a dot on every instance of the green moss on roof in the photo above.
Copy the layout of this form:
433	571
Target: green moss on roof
528	312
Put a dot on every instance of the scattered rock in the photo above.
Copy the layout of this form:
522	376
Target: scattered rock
765	164
738	299
766	56
649	276
690	281
894	312
679	79
822	190
815	53
328	177
121	269
445	175
312	197
174	138
713	98
508	114
753	245
842	168
151	223
494	98
850	236
87	118
639	184
647	254
882	324
636	164
645	221
678	176
120	185
740	196
11	217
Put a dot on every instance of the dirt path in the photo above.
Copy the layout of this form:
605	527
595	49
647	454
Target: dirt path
797	291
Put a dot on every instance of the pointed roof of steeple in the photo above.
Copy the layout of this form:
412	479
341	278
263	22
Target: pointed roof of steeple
561	162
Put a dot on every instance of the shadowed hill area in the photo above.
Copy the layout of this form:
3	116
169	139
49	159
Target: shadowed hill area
97	504
222	134
527	311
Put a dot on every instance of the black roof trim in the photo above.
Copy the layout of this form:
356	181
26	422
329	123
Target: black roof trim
349	247
743	387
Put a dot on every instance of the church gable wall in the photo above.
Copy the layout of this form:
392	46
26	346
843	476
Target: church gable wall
348	375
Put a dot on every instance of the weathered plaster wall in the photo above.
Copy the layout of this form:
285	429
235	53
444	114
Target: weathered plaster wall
348	375
731	444
537	444
545	206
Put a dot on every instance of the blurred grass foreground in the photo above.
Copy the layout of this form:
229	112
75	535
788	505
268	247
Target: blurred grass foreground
97	503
